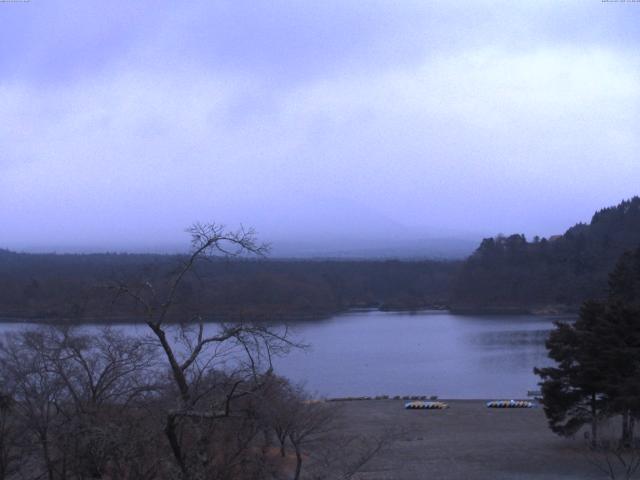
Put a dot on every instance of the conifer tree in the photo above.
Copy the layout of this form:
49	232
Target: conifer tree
574	390
597	371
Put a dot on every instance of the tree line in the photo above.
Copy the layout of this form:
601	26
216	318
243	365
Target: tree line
49	286
510	273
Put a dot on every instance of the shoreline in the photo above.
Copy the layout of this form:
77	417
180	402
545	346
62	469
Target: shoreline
428	398
567	311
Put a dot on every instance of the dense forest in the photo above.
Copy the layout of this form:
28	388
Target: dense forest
509	273
505	274
49	286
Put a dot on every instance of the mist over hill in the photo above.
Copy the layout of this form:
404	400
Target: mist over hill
454	248
336	227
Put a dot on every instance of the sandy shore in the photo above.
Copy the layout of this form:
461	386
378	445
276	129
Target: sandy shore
466	441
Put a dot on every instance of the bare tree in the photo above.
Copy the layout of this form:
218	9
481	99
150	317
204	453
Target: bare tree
105	376
278	408
36	392
344	456
313	429
311	420
10	451
617	458
195	351
74	393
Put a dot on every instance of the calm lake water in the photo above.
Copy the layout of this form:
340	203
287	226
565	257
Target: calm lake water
426	353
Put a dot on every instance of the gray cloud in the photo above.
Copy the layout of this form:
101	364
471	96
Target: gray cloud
123	123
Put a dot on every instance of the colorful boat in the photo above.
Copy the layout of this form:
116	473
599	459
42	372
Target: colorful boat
510	404
422	405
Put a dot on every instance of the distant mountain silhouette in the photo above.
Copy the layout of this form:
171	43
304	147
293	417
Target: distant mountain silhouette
511	273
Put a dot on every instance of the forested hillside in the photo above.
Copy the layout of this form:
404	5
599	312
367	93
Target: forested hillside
511	273
76	286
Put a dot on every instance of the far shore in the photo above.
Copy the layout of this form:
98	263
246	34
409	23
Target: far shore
551	311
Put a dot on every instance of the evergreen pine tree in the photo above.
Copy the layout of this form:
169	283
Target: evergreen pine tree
574	390
597	371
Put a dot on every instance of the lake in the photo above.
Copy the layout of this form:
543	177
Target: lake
425	353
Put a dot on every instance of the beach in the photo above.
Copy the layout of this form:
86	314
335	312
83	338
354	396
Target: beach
465	441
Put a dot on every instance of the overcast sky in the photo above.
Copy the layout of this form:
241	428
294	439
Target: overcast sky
123	122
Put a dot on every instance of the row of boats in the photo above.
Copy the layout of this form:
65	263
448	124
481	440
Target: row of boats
423	405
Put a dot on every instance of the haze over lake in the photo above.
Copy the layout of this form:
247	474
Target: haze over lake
425	353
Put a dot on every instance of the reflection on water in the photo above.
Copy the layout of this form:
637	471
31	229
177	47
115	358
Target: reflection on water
430	353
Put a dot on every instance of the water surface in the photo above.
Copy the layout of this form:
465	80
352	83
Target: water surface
430	353
426	353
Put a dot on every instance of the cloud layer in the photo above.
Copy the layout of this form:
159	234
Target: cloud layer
123	123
